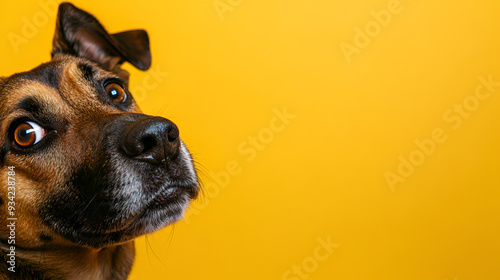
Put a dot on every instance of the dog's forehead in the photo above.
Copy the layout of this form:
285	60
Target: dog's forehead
24	88
60	69
66	84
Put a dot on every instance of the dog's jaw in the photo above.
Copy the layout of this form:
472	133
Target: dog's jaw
138	202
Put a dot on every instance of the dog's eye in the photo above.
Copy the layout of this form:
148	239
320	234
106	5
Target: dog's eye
116	92
28	134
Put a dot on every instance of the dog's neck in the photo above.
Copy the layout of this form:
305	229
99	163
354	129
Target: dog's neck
112	262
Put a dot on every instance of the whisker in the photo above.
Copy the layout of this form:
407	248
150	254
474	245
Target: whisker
84	208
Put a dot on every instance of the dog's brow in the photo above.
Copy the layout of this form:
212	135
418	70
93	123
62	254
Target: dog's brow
29	104
47	74
43	111
87	71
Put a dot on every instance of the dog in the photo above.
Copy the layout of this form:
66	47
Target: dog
83	171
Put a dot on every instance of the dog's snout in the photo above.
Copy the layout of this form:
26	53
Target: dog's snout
154	140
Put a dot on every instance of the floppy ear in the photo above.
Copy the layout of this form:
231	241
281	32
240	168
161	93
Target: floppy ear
80	34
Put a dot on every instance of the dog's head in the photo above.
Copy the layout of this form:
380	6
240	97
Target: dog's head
90	168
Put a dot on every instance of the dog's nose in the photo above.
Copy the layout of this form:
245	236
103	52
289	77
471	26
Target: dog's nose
154	140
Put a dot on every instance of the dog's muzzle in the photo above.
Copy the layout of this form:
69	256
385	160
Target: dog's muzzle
138	178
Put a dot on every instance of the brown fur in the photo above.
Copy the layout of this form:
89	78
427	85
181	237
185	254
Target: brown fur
65	94
58	258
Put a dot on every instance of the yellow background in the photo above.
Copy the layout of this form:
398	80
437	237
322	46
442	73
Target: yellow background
323	175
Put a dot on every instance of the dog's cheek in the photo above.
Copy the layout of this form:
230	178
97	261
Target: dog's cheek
30	231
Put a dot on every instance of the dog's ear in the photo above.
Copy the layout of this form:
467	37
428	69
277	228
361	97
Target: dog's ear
80	34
